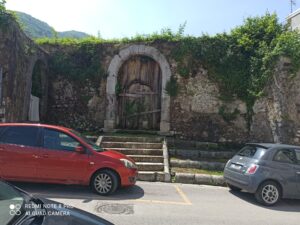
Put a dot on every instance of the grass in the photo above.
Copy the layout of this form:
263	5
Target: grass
197	171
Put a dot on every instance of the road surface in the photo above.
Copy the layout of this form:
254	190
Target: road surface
171	204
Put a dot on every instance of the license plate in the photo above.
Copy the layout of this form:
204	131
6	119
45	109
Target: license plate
234	166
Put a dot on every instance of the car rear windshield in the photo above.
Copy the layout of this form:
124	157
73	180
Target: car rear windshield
252	151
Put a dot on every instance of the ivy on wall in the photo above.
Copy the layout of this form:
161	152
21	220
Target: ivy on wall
81	63
240	61
243	60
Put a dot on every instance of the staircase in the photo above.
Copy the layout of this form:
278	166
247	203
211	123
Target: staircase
149	153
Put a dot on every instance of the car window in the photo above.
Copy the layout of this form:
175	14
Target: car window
20	136
285	156
252	151
59	141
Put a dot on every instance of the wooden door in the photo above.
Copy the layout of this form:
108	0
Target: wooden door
139	94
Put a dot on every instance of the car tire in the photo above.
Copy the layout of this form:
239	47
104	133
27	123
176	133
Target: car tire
105	182
234	188
268	193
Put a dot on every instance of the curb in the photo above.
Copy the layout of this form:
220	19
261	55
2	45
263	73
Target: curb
190	178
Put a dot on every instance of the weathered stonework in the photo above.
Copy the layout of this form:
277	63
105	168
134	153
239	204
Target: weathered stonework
277	115
18	57
197	112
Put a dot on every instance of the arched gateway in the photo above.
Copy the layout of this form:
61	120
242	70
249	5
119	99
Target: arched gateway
132	89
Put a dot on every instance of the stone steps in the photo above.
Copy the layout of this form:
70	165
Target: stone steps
133	139
150	166
147	152
298	134
134	145
137	151
151	176
197	164
147	158
200	154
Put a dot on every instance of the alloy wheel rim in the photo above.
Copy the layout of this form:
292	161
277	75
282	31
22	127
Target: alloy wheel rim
103	183
270	194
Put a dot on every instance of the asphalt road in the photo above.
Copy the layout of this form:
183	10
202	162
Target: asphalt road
172	204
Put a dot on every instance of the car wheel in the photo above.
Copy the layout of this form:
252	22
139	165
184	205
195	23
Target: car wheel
234	188
104	182
268	193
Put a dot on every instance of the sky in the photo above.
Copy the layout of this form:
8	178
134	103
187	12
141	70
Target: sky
126	18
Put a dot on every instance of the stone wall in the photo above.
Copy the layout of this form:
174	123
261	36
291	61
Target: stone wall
277	114
18	56
194	112
198	111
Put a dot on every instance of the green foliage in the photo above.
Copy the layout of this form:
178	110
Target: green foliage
2	6
172	87
118	89
228	116
80	64
243	60
165	34
3	13
288	45
35	28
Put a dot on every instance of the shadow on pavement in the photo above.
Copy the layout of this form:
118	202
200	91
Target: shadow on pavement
78	192
286	205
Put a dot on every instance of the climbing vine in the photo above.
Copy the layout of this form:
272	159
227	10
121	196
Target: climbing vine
79	64
172	87
243	60
240	61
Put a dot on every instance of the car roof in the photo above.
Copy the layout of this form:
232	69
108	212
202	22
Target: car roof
274	145
35	125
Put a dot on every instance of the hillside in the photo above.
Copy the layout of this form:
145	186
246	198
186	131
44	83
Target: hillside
35	28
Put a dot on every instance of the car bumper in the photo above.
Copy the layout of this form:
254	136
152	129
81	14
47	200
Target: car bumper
246	182
129	177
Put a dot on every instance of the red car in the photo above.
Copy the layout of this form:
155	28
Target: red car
54	154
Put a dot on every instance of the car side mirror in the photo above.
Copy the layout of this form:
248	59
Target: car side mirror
79	149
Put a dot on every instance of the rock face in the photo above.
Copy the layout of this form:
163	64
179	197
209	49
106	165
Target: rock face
196	112
18	57
277	114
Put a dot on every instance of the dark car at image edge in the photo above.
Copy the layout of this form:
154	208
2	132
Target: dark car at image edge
54	154
20	208
269	171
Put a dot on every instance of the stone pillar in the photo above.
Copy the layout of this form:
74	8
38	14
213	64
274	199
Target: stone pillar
111	100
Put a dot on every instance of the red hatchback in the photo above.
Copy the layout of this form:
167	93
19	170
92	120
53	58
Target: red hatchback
54	154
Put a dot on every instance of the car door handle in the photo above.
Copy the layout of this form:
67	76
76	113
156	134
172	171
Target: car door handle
1	149
45	156
298	172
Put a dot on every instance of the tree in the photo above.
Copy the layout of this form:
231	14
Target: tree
2	6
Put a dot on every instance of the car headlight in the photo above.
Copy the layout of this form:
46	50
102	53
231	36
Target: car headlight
128	164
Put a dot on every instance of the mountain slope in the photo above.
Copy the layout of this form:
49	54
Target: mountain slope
35	28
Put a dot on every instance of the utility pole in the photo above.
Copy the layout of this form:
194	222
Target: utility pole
292	3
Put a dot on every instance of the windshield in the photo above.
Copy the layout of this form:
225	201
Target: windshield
88	141
10	203
252	151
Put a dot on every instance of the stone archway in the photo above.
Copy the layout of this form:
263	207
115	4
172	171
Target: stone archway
113	70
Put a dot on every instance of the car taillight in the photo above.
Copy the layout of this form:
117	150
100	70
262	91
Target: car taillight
252	169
